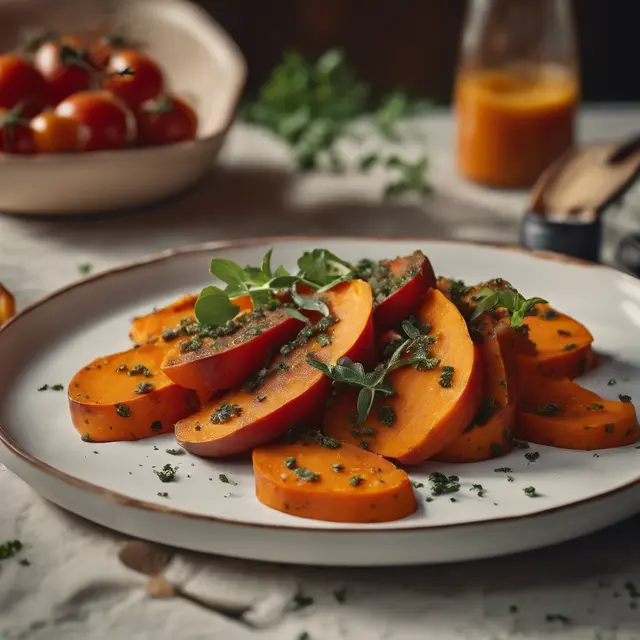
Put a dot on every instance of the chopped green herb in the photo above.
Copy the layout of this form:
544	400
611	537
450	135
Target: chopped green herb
85	437
532	457
609	428
225	413
85	268
612	382
530	492
328	441
139	370
479	488
417	485
323	339
549	409
440	483
306	474
386	415
490	299
9	549
188	346
624	398
355	481
144	387
503	470
446	377
290	463
570	347
174	452
25	563
521	444
364	445
167	474
225	479
452	500
337	467
557	617
44	387
163	494
123	410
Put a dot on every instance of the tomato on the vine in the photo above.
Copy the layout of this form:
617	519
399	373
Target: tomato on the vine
66	69
134	77
164	120
53	133
21	84
109	122
15	134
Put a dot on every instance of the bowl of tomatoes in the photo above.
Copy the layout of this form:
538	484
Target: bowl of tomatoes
117	111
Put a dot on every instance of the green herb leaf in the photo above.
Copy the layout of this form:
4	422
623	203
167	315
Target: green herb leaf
167	474
225	479
229	271
365	402
489	299
213	307
310	304
9	549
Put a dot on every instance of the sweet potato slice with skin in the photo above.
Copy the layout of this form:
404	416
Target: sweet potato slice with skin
226	362
414	275
558	344
563	345
149	328
560	413
428	416
352	485
105	406
295	389
490	433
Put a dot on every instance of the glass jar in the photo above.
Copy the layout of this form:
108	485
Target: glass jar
516	91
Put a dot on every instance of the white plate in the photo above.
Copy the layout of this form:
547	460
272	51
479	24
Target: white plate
201	63
116	487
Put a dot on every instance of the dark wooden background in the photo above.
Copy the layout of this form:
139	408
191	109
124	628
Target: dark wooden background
413	43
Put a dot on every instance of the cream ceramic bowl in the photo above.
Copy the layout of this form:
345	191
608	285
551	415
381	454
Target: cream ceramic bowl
201	63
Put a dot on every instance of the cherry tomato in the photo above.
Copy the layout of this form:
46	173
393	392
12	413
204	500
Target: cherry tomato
143	83
21	84
109	122
66	69
164	120
104	47
15	135
53	133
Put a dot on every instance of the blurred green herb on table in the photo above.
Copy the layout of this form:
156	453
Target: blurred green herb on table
314	105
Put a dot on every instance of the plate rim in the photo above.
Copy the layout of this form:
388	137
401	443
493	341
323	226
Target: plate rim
157	257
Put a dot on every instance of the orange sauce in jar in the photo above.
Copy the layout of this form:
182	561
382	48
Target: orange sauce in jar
512	124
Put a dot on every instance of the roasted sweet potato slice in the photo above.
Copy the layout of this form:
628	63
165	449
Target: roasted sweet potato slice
344	484
150	327
399	286
490	433
125	396
563	345
224	362
431	408
560	413
290	389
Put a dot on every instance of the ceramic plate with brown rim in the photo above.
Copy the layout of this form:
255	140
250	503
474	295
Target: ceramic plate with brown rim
114	485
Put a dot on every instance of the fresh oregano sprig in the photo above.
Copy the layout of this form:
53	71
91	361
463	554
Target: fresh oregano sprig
510	299
414	351
318	269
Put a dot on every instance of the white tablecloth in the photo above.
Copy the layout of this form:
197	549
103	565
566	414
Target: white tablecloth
74	586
